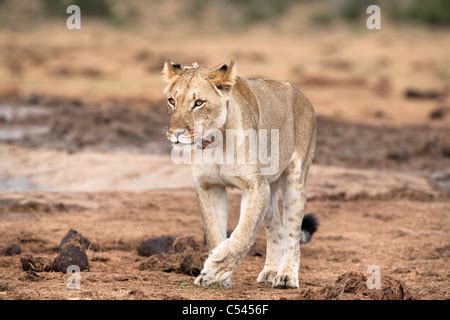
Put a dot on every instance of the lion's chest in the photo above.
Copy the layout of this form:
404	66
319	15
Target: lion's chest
239	176
225	175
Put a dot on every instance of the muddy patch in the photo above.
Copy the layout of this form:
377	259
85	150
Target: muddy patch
353	285
189	262
155	245
30	204
417	148
185	256
74	127
22	122
35	263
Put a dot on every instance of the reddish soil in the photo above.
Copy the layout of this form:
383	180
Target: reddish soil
82	147
412	250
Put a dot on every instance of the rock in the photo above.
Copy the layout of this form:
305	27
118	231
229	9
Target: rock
155	246
437	113
413	93
100	259
444	144
12	250
182	244
94	247
71	253
398	156
75	235
37	264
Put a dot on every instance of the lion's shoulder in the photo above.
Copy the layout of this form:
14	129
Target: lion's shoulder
259	91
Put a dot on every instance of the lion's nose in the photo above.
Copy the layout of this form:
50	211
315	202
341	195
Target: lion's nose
175	134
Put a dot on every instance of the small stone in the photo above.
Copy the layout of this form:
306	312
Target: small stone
71	253
12	250
75	235
182	244
37	264
155	246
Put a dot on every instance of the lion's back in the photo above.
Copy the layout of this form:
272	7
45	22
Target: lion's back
282	106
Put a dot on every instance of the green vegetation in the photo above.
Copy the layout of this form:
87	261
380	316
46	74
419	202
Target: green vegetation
261	10
352	10
94	8
101	9
248	12
322	18
432	12
429	12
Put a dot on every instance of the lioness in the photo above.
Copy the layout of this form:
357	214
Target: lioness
201	98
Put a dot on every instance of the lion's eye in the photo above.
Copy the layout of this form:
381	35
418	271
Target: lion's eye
171	101
198	103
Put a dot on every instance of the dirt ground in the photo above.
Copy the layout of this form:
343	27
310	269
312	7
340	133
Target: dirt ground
412	248
82	147
396	221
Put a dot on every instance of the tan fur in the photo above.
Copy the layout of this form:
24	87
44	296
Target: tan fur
233	102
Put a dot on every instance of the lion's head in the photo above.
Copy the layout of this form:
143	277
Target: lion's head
197	99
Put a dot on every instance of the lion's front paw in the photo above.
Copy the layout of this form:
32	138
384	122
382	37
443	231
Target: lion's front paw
214	273
285	281
218	267
207	278
266	276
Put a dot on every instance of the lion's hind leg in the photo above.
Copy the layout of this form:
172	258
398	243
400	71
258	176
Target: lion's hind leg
294	201
274	236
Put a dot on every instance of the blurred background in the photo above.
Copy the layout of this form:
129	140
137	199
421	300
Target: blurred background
83	147
381	96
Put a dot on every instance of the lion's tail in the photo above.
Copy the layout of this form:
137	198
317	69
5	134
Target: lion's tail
310	225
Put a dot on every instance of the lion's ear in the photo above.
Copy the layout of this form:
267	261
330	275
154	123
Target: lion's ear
171	71
223	76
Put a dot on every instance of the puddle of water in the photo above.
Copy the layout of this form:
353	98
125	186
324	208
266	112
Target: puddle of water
442	179
10	117
15	133
20	113
16	184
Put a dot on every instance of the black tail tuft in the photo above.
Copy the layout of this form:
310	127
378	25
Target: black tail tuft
310	225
